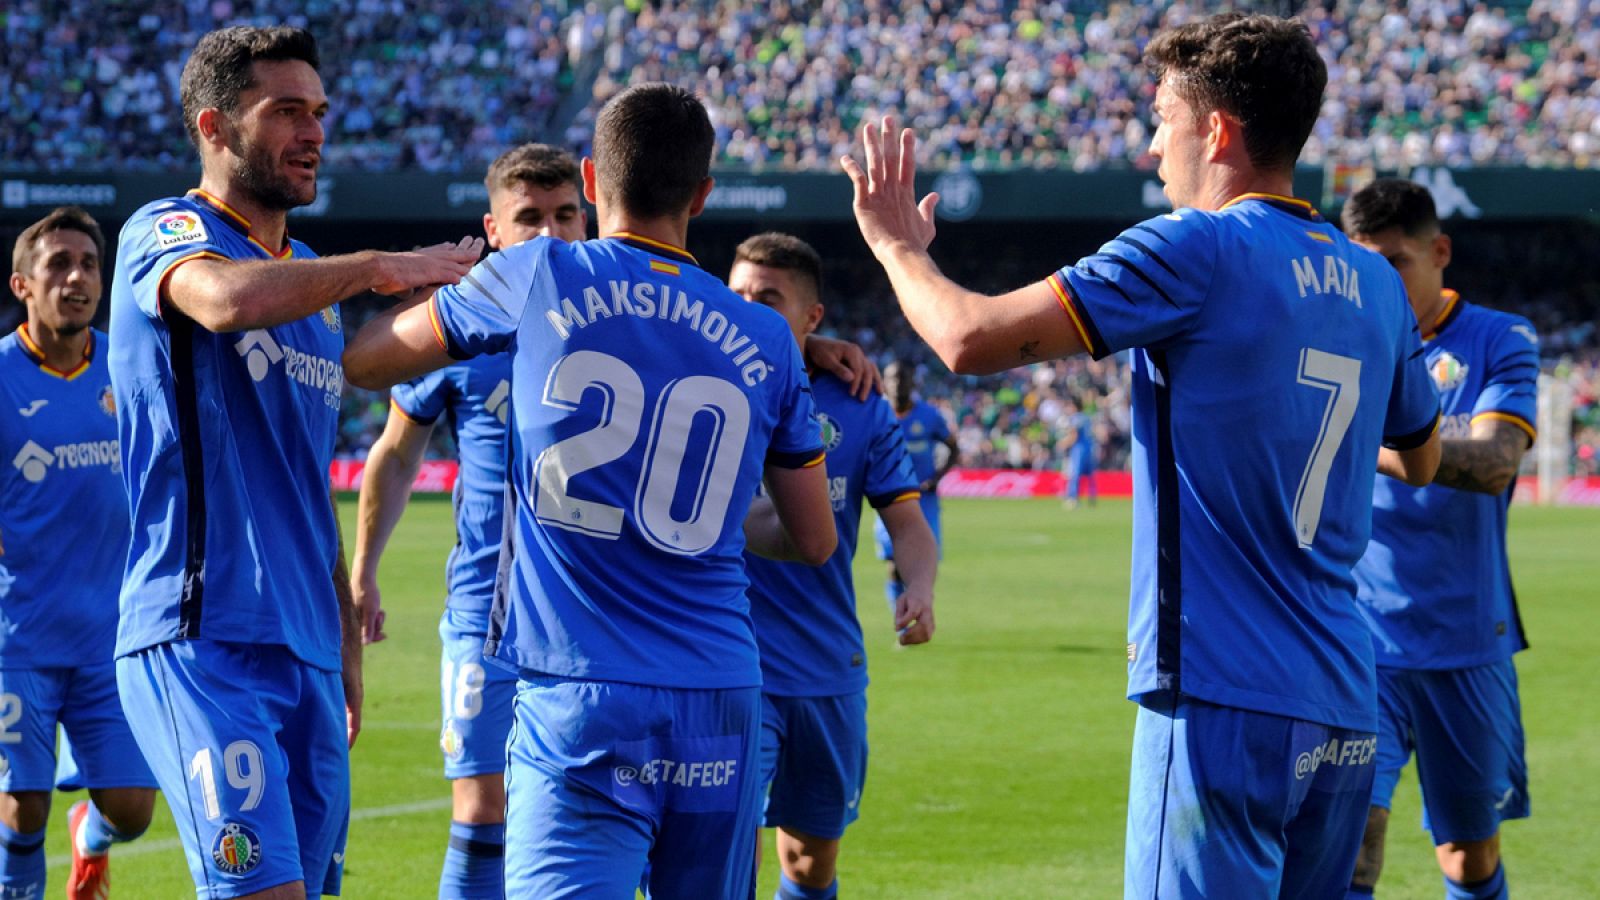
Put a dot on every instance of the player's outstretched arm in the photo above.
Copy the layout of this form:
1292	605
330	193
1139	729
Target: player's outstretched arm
796	524
398	345
1485	462
1416	466
973	333
225	295
916	556
386	482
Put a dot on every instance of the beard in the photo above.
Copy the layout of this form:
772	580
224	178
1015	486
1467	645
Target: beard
258	174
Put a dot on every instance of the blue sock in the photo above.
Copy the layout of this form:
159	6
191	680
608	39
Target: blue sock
788	890
475	864
1359	892
1491	888
21	863
97	835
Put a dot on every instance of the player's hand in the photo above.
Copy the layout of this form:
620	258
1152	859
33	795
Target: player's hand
369	608
353	695
447	263
913	617
848	362
885	203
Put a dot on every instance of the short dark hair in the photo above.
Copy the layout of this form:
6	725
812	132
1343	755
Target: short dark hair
219	69
652	149
1390	203
777	250
1263	70
540	165
62	218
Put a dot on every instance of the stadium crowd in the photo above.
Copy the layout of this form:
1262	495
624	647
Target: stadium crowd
1043	83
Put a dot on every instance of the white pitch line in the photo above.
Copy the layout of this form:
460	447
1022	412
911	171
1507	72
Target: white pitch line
164	845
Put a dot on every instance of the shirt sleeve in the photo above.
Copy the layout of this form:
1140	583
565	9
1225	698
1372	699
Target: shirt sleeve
941	427
797	440
1511	387
1144	287
890	478
481	314
156	241
423	400
1413	412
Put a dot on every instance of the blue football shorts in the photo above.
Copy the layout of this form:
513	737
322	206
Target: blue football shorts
83	701
1465	726
607	782
930	511
249	745
476	698
813	762
1225	802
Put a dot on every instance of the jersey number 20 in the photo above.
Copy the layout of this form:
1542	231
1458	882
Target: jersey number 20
683	401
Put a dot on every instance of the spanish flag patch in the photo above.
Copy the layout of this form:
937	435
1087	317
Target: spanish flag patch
657	265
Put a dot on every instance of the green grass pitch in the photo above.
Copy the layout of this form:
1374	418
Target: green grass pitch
999	751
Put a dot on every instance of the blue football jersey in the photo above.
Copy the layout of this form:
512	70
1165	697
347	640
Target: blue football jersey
1435	583
64	522
925	429
806	625
646	400
1274	358
476	397
226	441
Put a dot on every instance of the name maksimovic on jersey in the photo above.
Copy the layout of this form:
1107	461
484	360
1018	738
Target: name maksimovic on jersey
656	301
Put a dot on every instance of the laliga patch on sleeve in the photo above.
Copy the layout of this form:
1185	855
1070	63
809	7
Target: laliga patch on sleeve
175	229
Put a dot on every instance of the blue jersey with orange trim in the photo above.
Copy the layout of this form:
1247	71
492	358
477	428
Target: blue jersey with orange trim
1435	583
925	429
64	522
806	625
646	400
476	397
1274	357
226	442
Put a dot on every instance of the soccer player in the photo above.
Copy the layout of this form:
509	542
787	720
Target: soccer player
1435	584
813	659
1080	446
533	191
239	656
63	534
924	428
1273	358
648	401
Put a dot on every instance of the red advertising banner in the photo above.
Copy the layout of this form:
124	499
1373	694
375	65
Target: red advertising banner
436	476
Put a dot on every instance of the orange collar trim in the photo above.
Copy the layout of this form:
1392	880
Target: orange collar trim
1452	308
1293	204
240	222
630	237
36	353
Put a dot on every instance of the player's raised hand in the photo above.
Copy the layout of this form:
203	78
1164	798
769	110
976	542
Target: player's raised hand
913	616
446	263
885	202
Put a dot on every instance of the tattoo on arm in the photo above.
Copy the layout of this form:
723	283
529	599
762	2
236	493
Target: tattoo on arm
1484	464
1028	351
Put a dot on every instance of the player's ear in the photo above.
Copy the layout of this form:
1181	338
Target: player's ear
814	316
1441	250
1221	132
490	232
590	190
700	195
19	287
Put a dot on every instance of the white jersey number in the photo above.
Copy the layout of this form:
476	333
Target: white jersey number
1340	376
241	764
714	402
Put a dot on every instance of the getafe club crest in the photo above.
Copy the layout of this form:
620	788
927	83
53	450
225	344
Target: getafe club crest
330	318
1447	371
451	743
108	402
236	850
831	435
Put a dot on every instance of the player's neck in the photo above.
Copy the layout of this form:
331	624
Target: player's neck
266	225
62	351
1229	183
1428	319
672	231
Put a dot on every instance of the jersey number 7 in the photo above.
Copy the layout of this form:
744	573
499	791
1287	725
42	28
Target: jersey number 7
1340	376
